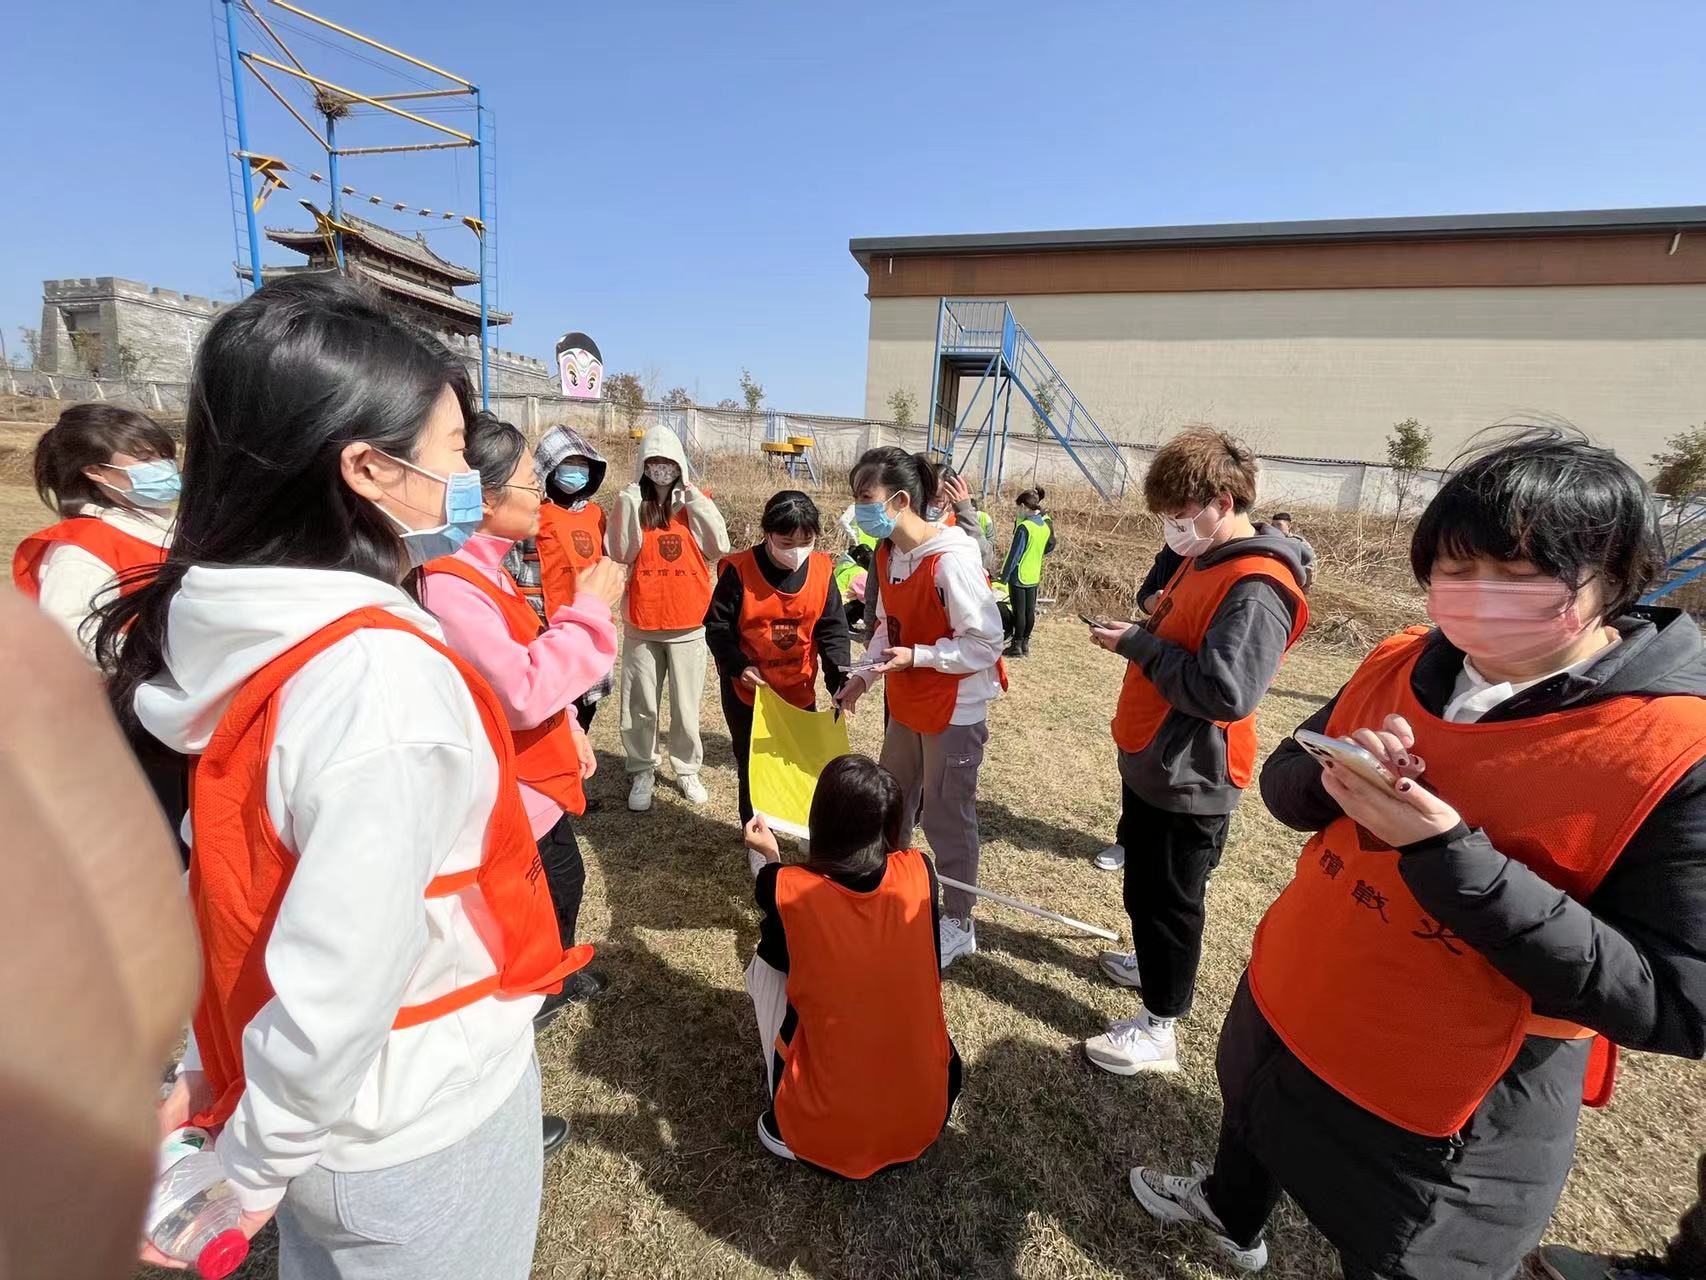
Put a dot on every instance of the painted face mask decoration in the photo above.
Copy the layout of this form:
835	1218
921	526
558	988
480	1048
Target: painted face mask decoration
1505	623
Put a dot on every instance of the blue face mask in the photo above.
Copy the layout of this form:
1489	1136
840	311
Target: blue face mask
874	518
571	477
463	513
152	484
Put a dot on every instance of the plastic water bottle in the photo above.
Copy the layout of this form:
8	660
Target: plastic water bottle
194	1213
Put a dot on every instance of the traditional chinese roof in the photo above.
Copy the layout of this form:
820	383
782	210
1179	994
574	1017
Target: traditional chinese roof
447	310
411	249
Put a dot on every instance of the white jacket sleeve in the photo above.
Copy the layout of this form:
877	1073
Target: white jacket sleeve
707	525
622	534
974	642
71	579
379	777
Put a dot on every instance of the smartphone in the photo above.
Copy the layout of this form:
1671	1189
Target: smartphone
1348	754
1088	621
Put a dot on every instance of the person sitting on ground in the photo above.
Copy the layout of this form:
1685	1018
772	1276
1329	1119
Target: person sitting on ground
1185	724
1466	937
774	617
847	984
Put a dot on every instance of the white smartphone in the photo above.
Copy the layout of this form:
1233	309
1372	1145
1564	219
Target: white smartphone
1348	754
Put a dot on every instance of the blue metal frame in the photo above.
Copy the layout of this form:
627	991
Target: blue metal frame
337	190
485	327
243	147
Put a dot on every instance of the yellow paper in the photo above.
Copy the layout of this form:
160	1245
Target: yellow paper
790	747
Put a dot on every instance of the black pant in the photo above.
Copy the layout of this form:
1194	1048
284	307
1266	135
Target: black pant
1167	860
1396	1205
1024	615
585	711
739	717
565	874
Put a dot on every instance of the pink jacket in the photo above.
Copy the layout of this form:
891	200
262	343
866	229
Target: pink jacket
533	681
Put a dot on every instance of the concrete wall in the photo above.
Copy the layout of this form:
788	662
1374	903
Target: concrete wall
1326	373
153	331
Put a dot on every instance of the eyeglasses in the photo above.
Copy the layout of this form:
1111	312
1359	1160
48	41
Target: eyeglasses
537	491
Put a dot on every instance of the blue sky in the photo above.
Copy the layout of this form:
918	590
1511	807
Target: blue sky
681	180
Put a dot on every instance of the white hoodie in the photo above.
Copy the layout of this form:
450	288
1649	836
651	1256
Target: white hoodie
973	645
73	582
381	777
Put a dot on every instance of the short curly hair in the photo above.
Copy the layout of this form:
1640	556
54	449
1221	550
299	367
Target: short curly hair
1195	467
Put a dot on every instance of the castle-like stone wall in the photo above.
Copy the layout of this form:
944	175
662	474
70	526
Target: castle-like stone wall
134	331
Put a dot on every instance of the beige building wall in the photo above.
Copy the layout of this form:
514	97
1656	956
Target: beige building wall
1325	373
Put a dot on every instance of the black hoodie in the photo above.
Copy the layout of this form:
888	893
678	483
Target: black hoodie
1183	769
1630	961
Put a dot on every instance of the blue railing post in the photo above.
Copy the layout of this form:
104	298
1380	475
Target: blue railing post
485	317
243	147
930	426
337	191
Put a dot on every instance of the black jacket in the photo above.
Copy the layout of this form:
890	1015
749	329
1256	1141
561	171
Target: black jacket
722	622
1630	961
1183	769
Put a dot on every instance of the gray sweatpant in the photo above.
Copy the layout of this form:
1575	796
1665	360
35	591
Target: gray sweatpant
941	769
646	666
469	1212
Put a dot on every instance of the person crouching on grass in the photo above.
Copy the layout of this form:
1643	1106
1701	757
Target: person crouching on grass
1186	724
938	641
775	614
847	984
1409	1049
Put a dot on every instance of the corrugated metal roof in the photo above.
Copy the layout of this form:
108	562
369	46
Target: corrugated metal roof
1433	227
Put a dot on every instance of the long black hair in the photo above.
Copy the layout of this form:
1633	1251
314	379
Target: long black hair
283	382
1547	495
493	448
855	819
87	435
898	471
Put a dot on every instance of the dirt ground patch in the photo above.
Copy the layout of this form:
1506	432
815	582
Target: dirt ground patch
662	1079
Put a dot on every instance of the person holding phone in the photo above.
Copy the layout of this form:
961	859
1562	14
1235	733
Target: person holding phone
1185	724
1438	990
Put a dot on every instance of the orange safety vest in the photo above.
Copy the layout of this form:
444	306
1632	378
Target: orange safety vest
240	870
545	755
863	1078
120	551
1381	1000
568	542
1183	616
920	698
776	628
670	586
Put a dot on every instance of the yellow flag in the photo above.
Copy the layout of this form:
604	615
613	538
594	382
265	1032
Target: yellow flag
790	747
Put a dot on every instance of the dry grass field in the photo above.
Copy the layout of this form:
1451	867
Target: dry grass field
664	1176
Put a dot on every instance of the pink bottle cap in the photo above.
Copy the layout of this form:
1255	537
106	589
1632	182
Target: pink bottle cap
223	1255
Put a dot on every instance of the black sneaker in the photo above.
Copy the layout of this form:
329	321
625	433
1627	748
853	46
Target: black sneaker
556	1133
583	985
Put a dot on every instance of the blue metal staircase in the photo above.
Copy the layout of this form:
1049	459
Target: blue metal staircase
980	338
1682	530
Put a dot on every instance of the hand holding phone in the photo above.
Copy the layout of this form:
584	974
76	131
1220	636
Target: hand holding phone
1337	751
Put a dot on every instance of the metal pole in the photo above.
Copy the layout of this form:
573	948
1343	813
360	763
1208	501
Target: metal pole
935	382
1006	413
1004	900
243	147
337	193
480	178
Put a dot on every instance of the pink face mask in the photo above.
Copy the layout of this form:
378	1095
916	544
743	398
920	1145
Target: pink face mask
1506	622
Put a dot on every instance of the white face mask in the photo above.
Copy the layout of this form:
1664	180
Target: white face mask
663	474
1186	538
789	557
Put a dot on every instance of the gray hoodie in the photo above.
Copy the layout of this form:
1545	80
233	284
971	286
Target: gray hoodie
624	536
1183	770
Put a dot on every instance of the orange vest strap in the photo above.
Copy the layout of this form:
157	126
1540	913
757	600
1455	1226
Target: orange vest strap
124	553
921	699
455	882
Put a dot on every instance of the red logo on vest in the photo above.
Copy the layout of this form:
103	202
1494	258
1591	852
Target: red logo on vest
785	633
584	545
894	632
669	547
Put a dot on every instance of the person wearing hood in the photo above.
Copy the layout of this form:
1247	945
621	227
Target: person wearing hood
936	642
1467	938
571	536
1185	724
536	669
669	533
112	476
1033	538
376	932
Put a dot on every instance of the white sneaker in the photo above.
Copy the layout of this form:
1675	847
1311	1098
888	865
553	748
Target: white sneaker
1110	859
958	938
640	791
1132	1045
1170	1198
693	789
772	1142
1121	968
